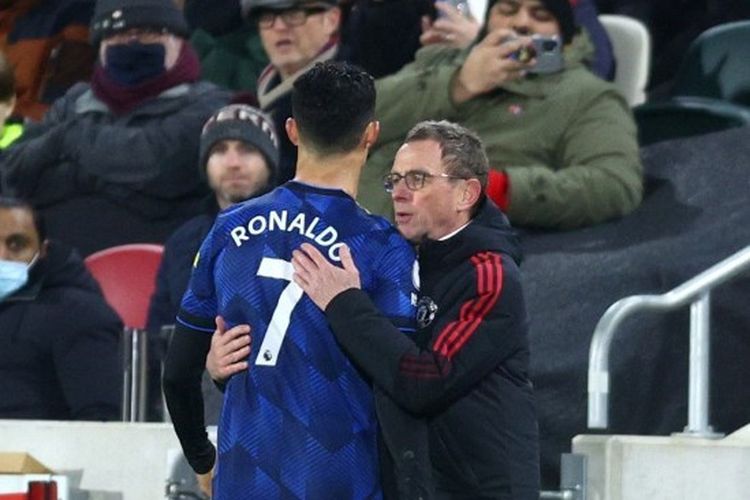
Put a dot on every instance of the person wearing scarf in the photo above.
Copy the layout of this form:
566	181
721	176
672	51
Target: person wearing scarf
129	136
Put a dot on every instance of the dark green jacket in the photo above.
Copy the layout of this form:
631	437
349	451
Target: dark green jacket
234	60
567	141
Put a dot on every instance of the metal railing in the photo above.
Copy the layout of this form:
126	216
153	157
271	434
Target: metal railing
135	371
696	292
573	476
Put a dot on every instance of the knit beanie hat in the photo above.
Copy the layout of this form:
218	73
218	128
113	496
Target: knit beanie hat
241	122
562	11
113	16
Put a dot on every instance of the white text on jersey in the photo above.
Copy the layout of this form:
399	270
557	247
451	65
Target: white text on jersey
324	236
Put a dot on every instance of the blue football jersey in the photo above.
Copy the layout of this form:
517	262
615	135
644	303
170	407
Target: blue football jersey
300	422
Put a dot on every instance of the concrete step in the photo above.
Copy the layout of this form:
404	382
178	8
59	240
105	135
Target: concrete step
666	467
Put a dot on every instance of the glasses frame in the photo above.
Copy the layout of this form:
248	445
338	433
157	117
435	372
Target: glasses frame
292	17
418	179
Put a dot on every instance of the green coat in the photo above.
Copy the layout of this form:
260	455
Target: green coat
233	61
567	141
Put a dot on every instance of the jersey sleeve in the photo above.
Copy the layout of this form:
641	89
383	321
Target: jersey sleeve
396	283
199	304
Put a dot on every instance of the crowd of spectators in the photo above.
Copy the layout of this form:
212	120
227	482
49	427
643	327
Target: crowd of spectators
121	117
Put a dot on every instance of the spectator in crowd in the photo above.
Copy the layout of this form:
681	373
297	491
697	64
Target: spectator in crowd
295	35
562	145
465	373
129	137
10	131
243	274
460	29
380	36
60	340
238	157
47	42
298	33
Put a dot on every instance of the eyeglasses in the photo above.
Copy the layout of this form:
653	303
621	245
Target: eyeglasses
296	16
414	179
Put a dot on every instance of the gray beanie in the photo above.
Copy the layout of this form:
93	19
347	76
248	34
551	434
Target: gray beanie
113	16
241	122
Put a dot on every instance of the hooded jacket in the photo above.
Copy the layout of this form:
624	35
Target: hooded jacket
463	378
60	345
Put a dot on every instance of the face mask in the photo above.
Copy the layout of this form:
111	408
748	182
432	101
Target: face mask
133	63
13	275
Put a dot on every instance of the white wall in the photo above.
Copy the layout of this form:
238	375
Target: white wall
126	458
477	8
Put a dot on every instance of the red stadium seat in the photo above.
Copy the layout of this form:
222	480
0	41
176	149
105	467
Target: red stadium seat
127	276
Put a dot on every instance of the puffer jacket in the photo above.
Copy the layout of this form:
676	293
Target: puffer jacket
60	345
140	159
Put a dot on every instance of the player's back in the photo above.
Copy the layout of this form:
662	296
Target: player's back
300	422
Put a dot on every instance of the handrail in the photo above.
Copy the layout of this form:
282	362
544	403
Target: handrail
695	291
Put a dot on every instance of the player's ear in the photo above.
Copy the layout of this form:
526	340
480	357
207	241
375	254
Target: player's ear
291	130
372	131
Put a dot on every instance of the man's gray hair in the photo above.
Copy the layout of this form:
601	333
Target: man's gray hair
462	151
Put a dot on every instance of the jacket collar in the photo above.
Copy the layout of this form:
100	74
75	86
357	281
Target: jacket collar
87	102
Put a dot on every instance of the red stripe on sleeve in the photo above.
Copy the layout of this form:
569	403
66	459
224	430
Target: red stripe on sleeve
454	336
424	366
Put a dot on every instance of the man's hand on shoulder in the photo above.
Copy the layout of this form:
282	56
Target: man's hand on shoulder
321	280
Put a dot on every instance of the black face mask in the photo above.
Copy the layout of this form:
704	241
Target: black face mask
134	63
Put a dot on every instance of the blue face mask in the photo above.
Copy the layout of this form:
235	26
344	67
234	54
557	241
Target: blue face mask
13	276
134	63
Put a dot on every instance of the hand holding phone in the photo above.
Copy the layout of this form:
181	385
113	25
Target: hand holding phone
547	52
489	65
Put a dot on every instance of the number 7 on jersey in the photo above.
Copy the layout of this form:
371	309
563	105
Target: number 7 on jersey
290	296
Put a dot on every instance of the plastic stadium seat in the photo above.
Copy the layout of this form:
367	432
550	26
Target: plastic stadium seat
631	43
127	276
717	65
687	117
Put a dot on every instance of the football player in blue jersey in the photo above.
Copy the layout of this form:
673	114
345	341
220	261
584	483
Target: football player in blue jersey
300	423
458	390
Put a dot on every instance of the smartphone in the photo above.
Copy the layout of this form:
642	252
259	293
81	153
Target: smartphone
548	53
549	56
